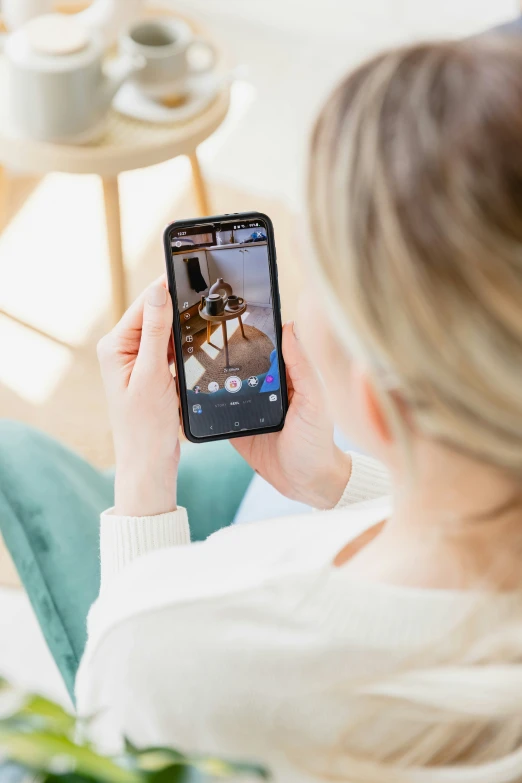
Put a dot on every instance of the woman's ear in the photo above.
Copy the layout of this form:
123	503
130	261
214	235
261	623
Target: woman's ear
375	410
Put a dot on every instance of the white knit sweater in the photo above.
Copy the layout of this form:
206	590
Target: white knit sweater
242	646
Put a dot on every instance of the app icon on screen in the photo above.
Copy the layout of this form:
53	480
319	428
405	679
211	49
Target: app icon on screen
273	397
233	384
213	386
197	389
253	381
196	408
269	378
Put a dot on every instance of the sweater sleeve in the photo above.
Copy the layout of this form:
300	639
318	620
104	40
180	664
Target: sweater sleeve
123	539
369	480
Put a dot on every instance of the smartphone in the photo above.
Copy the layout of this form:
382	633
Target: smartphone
222	275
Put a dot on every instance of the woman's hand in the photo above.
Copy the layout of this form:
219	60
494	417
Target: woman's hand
302	461
143	405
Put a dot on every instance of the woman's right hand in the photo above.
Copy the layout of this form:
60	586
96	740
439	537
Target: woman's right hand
302	461
143	405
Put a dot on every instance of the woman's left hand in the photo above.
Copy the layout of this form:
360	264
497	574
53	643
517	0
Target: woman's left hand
143	405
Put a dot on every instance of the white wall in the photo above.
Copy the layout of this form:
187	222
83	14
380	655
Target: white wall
246	270
290	54
228	264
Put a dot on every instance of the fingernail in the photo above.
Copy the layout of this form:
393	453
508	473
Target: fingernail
296	331
157	295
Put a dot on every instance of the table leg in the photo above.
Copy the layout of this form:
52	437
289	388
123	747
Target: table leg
111	197
225	341
199	186
209	332
242	329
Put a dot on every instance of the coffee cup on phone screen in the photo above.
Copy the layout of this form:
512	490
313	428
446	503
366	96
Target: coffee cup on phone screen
233	302
168	47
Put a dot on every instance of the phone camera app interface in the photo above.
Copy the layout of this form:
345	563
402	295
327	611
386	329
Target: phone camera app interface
224	296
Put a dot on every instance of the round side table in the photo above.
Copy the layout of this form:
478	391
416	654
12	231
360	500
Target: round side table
126	145
222	319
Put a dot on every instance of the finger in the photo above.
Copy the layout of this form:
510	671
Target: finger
133	317
156	330
302	374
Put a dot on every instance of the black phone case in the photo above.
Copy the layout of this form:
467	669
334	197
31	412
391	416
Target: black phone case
176	328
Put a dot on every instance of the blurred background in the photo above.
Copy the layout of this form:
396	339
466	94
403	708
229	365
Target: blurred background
284	56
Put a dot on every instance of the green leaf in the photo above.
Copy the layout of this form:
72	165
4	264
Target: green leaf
174	773
33	711
152	759
52	716
72	778
59	755
37	737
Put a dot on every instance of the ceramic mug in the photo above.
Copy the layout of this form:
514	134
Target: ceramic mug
165	44
234	302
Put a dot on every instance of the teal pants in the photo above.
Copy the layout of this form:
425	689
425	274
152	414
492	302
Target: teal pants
50	503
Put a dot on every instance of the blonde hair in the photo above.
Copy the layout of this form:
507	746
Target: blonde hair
415	206
415	201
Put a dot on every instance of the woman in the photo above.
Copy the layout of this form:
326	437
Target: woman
379	641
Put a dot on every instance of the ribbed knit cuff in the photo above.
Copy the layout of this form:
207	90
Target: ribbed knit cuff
369	480
123	539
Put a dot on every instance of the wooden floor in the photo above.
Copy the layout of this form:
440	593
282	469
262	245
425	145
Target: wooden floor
262	318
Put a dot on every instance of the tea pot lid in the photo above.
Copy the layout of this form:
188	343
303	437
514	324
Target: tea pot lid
53	43
56	35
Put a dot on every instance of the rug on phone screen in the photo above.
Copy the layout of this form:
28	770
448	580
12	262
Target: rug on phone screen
207	362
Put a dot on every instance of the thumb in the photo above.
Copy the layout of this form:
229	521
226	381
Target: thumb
156	330
301	372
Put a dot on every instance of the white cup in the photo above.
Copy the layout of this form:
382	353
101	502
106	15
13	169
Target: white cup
166	46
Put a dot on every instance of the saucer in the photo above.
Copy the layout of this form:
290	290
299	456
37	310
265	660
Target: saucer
201	91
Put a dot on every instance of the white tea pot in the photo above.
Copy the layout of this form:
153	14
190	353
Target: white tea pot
108	17
58	88
15	13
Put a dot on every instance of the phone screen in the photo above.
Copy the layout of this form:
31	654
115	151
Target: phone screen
225	289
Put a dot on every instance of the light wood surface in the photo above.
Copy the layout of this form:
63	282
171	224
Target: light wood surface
125	145
111	198
200	187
